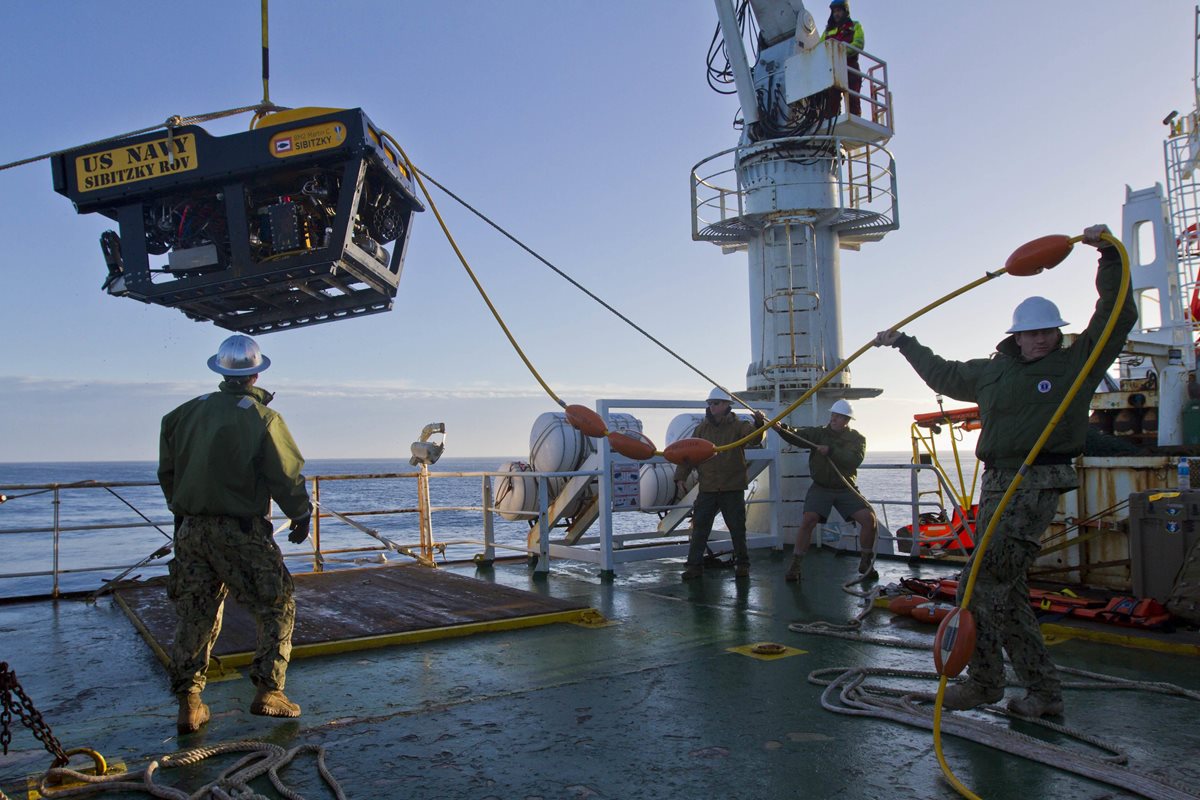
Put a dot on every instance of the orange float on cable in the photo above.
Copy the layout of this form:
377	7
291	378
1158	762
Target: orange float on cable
1044	253
905	603
631	444
954	643
690	452
585	420
930	611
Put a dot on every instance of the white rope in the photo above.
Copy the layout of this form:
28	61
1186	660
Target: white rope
848	693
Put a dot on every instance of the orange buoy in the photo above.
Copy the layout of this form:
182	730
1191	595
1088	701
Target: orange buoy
954	643
631	444
931	612
690	452
585	420
905	603
1044	253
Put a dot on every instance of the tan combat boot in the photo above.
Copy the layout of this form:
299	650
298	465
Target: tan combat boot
969	694
1037	704
192	713
273	703
793	572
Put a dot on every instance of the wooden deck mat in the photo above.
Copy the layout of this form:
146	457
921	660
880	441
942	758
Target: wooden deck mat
358	609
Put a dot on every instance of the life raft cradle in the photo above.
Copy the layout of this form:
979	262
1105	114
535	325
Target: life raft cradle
934	530
1124	611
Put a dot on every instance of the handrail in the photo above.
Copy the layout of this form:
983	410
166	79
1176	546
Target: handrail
68	529
865	182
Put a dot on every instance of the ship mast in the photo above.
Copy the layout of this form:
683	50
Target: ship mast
809	178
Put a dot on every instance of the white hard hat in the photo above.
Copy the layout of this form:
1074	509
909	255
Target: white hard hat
238	355
842	407
719	394
1035	314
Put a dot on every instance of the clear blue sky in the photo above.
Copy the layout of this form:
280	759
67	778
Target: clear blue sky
575	125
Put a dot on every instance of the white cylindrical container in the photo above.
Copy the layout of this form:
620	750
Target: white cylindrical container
516	495
683	426
624	422
554	445
656	486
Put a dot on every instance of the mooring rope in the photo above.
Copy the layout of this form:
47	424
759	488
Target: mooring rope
262	758
848	693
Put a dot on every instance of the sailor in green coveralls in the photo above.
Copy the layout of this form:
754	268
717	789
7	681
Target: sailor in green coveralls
1018	389
223	457
837	452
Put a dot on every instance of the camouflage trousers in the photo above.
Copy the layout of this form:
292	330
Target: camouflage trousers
214	557
1000	601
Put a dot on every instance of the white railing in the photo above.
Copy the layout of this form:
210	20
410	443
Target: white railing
863	181
96	532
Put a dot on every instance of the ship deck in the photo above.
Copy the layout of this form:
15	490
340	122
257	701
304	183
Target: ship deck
657	701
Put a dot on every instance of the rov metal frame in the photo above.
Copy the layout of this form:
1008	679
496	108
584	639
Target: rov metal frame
280	254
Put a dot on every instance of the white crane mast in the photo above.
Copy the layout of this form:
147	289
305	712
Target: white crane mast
810	177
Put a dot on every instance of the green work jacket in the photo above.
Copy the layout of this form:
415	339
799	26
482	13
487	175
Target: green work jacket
227	454
1016	397
724	472
847	449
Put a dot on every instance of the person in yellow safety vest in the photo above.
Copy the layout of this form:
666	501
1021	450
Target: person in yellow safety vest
843	29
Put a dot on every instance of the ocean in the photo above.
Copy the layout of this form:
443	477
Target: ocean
112	528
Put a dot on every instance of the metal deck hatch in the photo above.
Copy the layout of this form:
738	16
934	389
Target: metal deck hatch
361	609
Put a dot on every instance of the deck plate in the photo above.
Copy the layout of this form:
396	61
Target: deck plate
358	609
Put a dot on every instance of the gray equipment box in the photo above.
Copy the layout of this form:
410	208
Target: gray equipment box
1163	527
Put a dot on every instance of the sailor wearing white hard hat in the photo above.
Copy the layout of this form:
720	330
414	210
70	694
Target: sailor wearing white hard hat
223	458
722	482
836	453
1018	390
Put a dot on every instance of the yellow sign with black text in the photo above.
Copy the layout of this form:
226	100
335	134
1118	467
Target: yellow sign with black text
138	162
302	141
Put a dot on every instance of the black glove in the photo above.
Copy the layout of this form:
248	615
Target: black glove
299	529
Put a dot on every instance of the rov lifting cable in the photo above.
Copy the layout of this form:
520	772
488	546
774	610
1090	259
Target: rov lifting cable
981	546
462	259
433	206
592	295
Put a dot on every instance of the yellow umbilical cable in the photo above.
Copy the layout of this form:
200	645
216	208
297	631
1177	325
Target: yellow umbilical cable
829	375
471	273
981	545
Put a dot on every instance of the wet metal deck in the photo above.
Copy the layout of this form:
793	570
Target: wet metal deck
358	609
665	704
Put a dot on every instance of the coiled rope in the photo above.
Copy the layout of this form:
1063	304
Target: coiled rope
848	693
263	759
